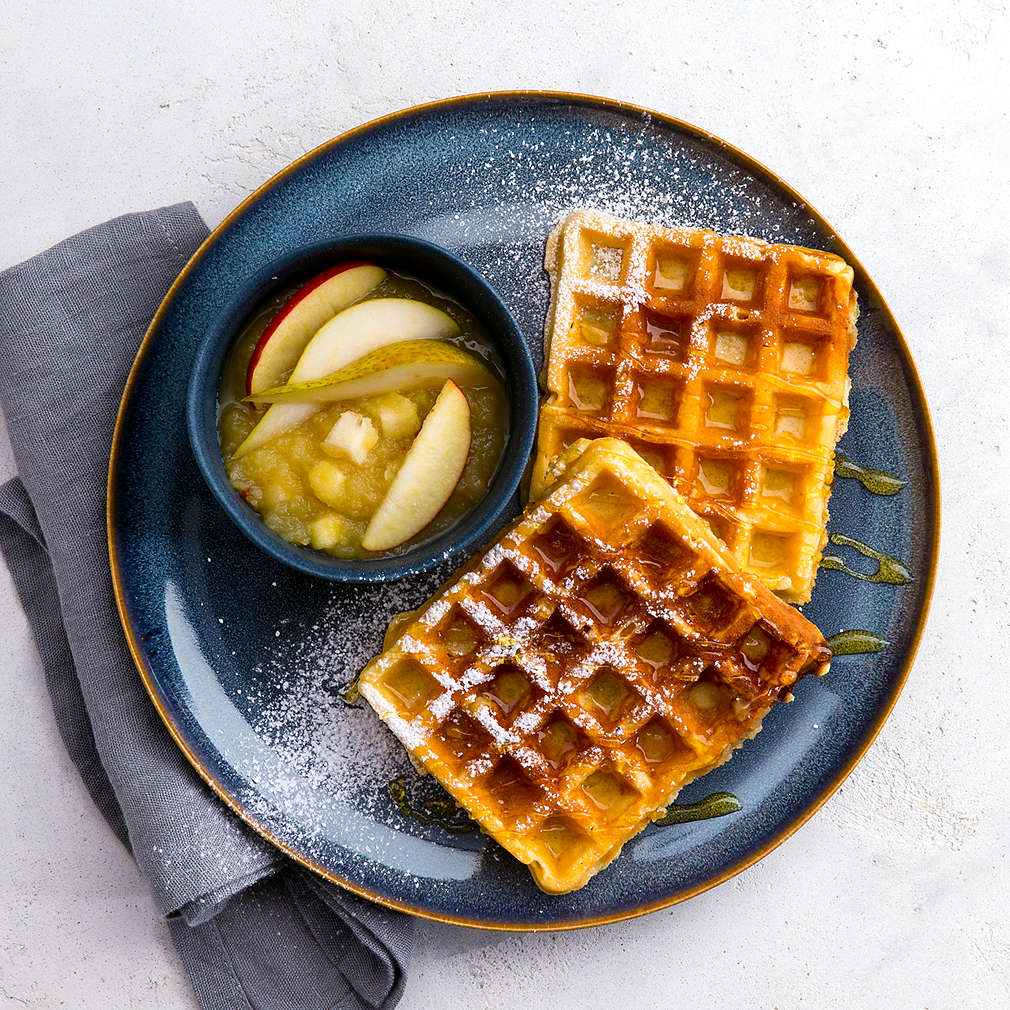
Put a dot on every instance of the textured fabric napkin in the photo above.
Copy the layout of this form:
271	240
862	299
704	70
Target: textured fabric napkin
253	929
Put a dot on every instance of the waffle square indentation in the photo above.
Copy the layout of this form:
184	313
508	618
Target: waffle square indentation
780	486
742	281
806	293
796	419
463	738
733	346
560	741
597	326
711	608
657	742
509	690
673	270
411	684
609	792
657	398
589	388
506	590
803	355
726	408
607	505
607	597
461	635
558	548
607	696
603	258
719	477
771	551
667	336
658	646
510	787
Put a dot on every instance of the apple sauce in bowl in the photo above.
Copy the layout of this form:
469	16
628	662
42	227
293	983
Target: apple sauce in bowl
320	482
372	411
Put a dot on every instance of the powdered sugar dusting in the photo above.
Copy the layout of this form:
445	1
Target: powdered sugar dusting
328	759
494	203
512	191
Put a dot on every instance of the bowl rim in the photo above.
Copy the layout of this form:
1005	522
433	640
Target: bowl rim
390	249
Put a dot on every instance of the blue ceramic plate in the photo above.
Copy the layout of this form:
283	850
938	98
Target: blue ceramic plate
246	659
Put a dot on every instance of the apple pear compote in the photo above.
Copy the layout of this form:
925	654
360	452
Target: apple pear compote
319	483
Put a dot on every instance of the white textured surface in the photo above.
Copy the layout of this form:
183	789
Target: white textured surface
891	119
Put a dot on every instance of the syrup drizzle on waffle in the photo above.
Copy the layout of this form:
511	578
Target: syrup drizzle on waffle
722	361
605	651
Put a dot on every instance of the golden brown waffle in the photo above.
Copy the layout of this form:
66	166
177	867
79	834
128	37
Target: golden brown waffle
602	653
723	361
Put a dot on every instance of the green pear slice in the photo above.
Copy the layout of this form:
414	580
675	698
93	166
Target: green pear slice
429	474
349	335
395	367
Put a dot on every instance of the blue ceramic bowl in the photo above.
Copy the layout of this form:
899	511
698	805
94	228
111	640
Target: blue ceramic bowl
444	272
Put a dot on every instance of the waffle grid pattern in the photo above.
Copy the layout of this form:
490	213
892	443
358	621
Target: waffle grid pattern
599	656
722	361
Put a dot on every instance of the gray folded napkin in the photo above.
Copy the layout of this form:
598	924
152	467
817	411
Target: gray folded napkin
254	930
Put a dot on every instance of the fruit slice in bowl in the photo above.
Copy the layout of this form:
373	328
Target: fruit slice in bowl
406	364
350	335
316	302
429	474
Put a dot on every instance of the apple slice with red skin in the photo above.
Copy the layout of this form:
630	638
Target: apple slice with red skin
429	474
349	335
316	302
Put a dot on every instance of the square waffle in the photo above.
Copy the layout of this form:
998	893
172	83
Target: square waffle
722	361
602	653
